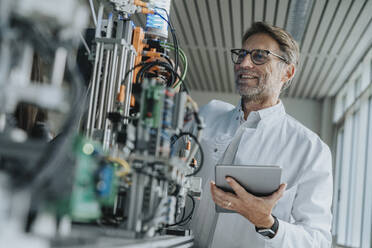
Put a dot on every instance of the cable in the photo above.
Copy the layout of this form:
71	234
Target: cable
189	216
149	65
173	32
123	163
130	70
184	60
167	59
201	152
174	37
175	42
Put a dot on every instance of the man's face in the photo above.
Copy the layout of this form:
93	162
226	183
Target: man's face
258	82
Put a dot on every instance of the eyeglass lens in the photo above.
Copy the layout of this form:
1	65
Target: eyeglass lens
258	56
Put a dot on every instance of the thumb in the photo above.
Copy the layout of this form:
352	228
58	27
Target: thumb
279	193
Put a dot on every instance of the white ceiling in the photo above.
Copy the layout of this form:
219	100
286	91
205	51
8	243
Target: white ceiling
334	36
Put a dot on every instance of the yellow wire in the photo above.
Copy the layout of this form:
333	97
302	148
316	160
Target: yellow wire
123	163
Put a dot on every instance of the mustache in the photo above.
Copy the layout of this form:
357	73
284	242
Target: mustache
250	73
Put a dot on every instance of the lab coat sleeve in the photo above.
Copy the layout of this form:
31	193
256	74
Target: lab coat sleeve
311	207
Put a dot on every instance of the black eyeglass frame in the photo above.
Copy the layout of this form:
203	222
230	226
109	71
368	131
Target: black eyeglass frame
233	51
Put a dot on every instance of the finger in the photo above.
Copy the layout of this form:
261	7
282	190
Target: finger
219	194
279	193
218	199
238	189
225	203
213	190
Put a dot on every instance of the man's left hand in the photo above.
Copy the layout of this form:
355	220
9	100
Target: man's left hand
256	209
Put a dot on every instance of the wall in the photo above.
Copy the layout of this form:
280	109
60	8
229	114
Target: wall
308	112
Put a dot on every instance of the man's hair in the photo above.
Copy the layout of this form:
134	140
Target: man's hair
288	46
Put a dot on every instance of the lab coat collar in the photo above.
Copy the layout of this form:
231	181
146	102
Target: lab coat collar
264	116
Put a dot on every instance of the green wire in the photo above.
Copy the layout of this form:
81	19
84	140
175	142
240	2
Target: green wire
183	57
184	60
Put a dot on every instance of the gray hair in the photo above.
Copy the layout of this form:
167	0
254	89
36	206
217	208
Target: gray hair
288	46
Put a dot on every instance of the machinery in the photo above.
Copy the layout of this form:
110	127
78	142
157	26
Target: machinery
121	165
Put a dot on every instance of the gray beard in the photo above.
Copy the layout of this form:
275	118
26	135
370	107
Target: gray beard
252	94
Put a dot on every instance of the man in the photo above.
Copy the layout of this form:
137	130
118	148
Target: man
259	132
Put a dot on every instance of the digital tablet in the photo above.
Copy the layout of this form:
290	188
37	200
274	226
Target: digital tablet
259	180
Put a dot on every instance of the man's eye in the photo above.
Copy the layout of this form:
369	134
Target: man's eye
241	55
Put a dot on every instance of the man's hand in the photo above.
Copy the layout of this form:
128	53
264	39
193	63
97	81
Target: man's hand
256	209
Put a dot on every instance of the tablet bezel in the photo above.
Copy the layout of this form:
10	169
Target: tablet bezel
259	180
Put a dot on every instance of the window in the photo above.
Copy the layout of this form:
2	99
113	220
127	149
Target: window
367	204
350	177
352	205
344	172
337	178
358	86
343	103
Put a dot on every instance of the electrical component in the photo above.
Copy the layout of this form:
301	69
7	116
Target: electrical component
155	24
133	116
84	205
117	168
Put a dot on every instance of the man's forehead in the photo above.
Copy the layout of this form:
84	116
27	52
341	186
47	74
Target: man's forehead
261	41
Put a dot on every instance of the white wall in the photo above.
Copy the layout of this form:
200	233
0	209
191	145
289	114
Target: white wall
308	112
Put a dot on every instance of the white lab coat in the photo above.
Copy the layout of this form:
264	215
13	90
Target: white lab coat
270	137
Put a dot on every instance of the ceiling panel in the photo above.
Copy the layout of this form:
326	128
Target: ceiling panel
259	9
226	26
236	24
204	13
246	14
195	69
282	12
351	47
270	11
346	27
308	40
224	75
335	28
328	15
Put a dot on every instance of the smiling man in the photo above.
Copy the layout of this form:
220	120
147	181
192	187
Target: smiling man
258	132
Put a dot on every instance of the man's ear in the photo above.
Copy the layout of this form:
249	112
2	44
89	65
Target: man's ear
289	73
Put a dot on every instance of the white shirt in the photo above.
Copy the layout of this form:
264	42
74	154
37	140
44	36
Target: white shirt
268	137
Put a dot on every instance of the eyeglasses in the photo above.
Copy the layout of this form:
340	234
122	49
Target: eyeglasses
258	56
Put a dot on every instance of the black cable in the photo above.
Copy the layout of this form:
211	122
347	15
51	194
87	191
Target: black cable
149	65
167	59
174	37
189	216
176	49
129	71
200	149
183	213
